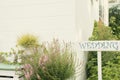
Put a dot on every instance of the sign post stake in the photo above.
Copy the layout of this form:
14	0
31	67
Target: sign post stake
99	65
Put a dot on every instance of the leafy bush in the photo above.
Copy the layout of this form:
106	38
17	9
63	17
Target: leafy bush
52	62
114	20
112	70
102	32
110	60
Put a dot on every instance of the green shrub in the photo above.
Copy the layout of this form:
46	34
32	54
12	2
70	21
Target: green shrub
27	41
110	60
101	32
111	71
59	67
114	20
52	62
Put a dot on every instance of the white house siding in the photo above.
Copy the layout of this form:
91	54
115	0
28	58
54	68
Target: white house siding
68	20
46	18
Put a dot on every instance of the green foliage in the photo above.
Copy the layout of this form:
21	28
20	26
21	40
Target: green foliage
92	66
102	32
114	20
52	62
28	41
59	67
110	60
111	71
2	59
14	53
48	61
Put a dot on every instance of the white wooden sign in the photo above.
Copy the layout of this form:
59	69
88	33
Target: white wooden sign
99	46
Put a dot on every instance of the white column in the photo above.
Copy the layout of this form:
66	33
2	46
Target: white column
106	12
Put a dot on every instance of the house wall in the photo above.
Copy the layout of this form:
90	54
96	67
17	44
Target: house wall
68	20
45	18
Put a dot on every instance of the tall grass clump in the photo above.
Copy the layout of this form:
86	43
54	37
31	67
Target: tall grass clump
52	62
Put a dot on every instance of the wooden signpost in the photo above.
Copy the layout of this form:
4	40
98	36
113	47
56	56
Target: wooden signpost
99	46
